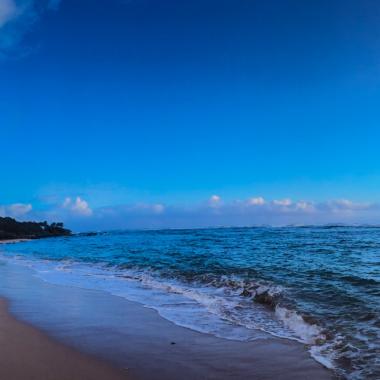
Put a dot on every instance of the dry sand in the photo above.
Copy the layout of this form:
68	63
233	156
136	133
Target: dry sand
27	354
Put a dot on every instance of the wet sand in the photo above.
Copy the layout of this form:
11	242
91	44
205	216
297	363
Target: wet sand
27	354
129	336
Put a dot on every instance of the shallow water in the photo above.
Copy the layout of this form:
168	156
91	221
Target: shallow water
319	286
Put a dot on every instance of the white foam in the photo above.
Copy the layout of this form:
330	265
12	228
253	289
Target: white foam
323	355
207	309
306	332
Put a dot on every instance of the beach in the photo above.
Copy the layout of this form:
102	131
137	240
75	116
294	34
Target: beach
87	334
26	353
189	190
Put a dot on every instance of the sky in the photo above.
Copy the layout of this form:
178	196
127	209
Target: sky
156	114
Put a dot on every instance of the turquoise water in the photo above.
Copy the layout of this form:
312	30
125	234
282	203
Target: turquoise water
319	286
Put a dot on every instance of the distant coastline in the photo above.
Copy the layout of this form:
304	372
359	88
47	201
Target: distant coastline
13	231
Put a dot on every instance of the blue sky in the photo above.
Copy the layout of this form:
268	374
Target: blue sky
136	113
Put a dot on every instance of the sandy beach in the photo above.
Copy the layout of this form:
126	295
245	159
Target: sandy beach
43	357
28	354
92	324
189	190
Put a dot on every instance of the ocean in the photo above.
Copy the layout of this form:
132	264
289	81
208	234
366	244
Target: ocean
315	285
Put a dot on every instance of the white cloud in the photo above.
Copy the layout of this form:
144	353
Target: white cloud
259	201
305	206
78	206
345	204
19	209
215	198
77	214
214	201
252	211
15	210
283	202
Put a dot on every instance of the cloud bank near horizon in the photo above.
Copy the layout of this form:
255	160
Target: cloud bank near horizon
77	213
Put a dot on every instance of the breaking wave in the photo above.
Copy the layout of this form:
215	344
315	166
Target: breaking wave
314	285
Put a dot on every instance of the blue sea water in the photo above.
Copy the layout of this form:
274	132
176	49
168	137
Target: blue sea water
317	285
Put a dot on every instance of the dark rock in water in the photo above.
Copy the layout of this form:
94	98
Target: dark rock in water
87	234
310	320
172	342
246	293
265	298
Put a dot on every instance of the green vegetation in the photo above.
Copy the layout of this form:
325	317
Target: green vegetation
12	229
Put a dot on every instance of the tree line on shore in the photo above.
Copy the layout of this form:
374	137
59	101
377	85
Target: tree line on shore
12	229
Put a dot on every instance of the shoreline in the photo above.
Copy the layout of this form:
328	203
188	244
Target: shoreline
28	354
129	335
14	241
